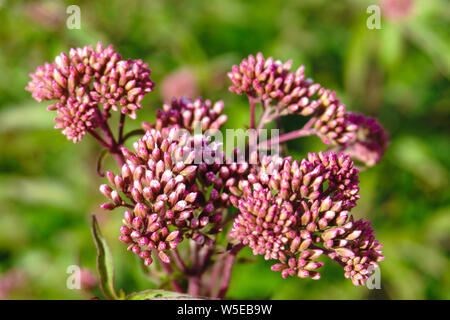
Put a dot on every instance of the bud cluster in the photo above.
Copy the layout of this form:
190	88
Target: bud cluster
370	142
83	79
293	212
273	83
159	181
271	80
191	115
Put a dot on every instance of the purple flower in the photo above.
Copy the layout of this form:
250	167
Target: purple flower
83	79
293	212
76	117
292	93
370	142
354	246
271	80
167	192
330	124
191	115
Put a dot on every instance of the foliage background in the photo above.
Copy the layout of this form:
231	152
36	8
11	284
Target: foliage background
400	73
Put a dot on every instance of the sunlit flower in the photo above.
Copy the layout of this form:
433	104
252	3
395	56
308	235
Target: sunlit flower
164	182
294	212
195	116
83	79
370	142
273	83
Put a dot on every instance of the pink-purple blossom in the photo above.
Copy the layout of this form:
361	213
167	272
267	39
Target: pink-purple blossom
294	211
86	78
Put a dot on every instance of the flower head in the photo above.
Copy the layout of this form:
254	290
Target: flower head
292	93
191	115
76	117
83	79
164	183
293	212
370	142
354	246
330	124
271	80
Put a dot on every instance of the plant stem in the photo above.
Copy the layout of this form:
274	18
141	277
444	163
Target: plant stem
215	275
252	102
121	127
303	132
286	137
227	268
197	270
263	119
176	286
179	261
194	253
99	139
195	285
205	259
132	133
110	144
100	163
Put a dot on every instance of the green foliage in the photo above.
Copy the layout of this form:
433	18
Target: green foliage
105	264
157	294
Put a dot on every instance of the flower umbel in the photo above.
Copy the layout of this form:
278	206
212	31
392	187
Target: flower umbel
370	142
191	115
300	210
165	186
274	85
85	78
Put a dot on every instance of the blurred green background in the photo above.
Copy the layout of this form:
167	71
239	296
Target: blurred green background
399	73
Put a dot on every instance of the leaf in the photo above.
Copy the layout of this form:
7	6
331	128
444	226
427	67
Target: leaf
160	295
105	265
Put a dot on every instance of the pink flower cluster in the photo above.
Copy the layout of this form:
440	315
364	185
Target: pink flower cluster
85	78
165	189
295	211
191	115
370	142
273	84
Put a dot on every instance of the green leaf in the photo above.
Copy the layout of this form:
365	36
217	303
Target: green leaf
159	294
105	265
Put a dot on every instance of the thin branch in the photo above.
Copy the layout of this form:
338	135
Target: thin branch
176	286
194	252
100	159
195	285
303	132
263	119
286	137
99	139
227	268
121	127
111	144
179	261
205	259
132	133
214	277
252	101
